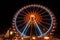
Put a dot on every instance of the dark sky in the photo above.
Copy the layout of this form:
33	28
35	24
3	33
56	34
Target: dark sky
9	8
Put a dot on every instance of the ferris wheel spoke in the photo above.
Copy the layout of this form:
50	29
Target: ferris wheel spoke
46	19
20	17
40	31
37	10
43	26
21	14
43	12
19	21
25	28
40	11
45	15
45	23
24	12
33	9
21	24
27	11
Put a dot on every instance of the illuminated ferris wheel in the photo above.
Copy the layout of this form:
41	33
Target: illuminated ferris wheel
34	20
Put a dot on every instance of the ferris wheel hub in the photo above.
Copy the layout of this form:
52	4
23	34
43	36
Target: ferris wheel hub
32	17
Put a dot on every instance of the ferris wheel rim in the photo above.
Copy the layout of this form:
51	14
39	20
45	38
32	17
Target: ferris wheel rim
34	6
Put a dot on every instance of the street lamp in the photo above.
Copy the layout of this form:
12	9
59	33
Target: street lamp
46	38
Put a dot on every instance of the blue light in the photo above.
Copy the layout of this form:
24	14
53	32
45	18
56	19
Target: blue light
38	28
25	28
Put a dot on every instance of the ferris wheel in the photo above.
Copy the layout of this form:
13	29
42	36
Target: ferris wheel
35	20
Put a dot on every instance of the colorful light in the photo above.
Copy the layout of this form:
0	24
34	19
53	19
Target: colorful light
11	32
22	38
33	37
32	16
46	37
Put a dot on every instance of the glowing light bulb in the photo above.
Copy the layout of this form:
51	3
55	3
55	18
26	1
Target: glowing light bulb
22	38
32	17
46	37
11	32
33	38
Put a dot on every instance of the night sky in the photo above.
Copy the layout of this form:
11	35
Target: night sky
9	8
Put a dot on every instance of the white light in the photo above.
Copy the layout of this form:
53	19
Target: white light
22	38
33	38
46	37
11	32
